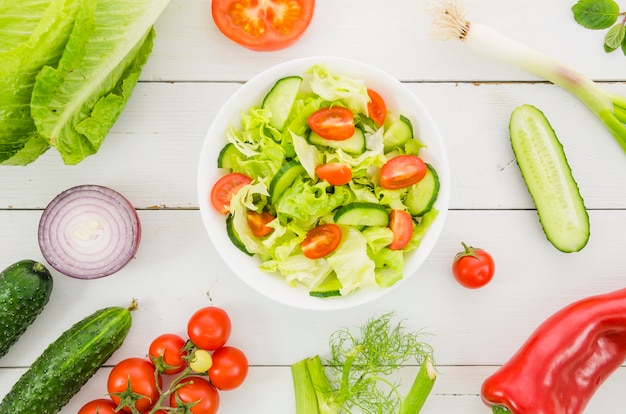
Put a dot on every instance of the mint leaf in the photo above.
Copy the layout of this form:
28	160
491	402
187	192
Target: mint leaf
596	14
614	37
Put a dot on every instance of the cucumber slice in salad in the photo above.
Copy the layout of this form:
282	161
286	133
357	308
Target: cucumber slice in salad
398	131
284	178
362	214
280	99
422	196
549	180
331	286
229	156
353	145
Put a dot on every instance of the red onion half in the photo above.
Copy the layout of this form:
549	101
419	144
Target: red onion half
89	231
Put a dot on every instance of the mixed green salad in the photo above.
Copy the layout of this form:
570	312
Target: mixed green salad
325	185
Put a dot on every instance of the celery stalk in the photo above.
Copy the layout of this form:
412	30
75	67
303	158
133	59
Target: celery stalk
306	398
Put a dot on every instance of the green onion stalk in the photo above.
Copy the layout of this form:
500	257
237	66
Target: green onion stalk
449	22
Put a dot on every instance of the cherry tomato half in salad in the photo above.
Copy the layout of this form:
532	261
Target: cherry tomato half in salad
197	389
321	241
376	107
335	123
473	267
401	225
335	173
229	369
167	352
258	222
263	25
99	406
209	328
402	171
225	188
140	373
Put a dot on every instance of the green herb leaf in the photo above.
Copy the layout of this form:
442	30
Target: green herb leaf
614	37
596	14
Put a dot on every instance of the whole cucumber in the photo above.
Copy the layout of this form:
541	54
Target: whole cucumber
25	289
67	363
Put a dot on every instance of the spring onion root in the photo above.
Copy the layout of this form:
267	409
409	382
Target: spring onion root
449	22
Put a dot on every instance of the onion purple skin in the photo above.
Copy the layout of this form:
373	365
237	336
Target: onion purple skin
89	232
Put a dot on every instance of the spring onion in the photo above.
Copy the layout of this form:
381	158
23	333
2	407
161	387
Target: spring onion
449	22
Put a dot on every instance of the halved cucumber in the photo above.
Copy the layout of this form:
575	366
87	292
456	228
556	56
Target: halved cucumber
284	178
398	132
280	99
331	286
549	180
353	145
228	156
422	196
362	214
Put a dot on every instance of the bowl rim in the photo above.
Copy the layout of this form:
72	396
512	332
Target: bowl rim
251	93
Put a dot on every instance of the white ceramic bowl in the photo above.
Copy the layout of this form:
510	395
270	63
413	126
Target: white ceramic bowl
398	99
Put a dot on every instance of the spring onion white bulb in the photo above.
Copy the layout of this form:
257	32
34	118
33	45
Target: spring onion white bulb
449	22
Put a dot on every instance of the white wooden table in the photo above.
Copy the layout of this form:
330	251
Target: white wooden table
151	156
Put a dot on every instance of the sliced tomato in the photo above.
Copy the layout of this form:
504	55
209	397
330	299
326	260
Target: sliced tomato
402	171
321	241
224	189
258	222
335	123
376	107
401	225
335	173
263	25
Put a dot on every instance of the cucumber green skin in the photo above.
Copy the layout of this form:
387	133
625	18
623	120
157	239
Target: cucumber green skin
67	363
25	289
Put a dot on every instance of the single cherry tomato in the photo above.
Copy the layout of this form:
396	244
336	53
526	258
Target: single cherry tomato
99	406
335	123
258	222
335	173
321	241
167	354
376	107
473	267
263	25
139	374
229	369
402	171
209	328
224	189
401	225
196	389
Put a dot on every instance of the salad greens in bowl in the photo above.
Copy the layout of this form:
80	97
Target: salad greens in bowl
323	183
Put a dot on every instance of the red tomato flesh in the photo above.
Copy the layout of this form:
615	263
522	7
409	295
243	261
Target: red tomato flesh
335	123
225	188
402	171
321	241
335	173
263	25
258	222
376	107
401	225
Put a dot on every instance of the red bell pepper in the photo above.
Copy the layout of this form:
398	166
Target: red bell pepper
562	364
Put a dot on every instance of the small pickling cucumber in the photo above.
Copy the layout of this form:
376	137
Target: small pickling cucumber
398	131
353	145
280	99
68	362
362	214
548	177
25	289
283	179
422	196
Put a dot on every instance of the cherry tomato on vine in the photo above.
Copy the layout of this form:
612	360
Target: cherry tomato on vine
209	328
473	267
99	406
225	188
258	222
335	173
401	225
376	107
321	241
263	26
197	389
229	369
167	350
335	123
139	372
402	171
